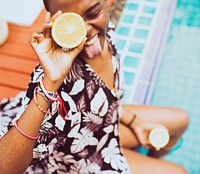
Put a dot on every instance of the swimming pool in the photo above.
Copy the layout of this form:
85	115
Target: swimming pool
172	72
178	82
141	36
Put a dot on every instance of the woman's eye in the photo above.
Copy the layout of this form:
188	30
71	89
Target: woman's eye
93	15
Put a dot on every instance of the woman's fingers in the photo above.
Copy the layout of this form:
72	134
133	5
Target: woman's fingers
75	51
142	136
47	17
58	13
49	23
44	30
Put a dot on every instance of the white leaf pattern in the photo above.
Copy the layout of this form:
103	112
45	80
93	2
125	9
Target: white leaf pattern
90	89
71	102
90	117
38	74
81	104
102	142
112	155
93	122
108	129
78	87
60	122
74	131
99	104
82	140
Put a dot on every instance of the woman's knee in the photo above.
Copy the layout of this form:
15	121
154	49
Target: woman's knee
183	118
177	169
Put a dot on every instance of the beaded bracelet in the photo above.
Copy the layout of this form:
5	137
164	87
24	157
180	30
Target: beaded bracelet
54	96
39	107
40	91
26	135
50	95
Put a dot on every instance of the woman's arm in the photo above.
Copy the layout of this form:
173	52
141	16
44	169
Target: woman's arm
148	117
15	148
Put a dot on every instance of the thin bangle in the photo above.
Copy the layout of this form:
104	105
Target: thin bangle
39	107
50	95
131	122
26	135
39	91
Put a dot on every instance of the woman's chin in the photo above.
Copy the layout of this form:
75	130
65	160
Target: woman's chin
89	56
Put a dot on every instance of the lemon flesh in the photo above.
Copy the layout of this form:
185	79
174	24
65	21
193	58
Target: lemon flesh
68	30
159	137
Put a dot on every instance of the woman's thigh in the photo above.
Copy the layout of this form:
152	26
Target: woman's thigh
141	164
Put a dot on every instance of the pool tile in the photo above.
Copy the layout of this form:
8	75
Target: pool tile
140	33
123	30
129	77
127	18
148	9
121	44
145	21
131	62
136	47
131	6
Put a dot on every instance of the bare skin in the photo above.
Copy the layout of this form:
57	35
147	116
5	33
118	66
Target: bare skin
16	150
175	120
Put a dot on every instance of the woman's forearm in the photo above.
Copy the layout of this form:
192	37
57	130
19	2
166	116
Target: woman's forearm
16	149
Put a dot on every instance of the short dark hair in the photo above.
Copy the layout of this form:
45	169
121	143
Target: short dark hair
46	4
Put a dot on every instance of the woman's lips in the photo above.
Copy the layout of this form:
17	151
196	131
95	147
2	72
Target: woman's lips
91	40
93	47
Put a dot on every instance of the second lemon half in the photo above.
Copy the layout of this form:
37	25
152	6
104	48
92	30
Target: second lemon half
68	30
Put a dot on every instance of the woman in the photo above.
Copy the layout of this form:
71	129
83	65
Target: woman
82	136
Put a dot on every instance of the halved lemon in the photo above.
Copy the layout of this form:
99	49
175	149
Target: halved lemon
159	137
68	30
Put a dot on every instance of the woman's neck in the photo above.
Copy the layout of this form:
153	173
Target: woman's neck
103	67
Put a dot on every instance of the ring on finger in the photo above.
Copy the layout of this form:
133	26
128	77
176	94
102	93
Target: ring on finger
65	49
48	22
40	33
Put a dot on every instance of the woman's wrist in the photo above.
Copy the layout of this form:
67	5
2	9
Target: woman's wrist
51	85
130	123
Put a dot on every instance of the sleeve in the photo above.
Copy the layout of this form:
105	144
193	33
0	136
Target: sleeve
12	109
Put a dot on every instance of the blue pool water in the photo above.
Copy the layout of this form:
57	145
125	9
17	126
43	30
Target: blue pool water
159	49
178	82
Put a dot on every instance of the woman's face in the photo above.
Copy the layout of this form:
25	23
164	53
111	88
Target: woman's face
96	17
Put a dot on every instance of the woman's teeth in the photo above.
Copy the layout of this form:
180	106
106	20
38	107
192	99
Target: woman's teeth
92	40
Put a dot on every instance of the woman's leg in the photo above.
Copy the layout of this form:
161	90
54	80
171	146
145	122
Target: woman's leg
140	164
176	120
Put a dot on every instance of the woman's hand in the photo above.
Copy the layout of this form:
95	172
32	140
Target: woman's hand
142	129
54	61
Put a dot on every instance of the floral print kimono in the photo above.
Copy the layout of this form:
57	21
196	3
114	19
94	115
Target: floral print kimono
87	143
